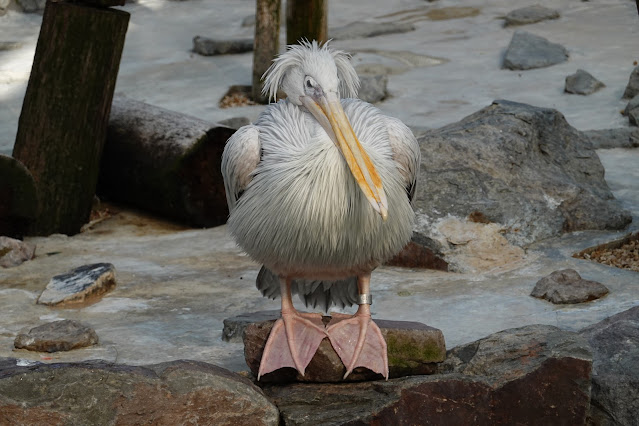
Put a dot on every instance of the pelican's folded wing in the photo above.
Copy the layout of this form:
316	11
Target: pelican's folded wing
239	160
406	153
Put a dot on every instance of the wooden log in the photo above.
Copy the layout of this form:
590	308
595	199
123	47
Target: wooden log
164	162
18	198
306	19
267	42
63	122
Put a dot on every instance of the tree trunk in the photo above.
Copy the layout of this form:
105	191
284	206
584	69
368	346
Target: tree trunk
306	19
18	199
267	42
62	126
165	162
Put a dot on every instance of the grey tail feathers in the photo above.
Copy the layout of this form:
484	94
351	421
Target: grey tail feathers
313	293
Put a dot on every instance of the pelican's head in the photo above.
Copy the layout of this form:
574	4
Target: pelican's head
316	77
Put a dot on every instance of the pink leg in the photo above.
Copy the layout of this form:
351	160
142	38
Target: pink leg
294	338
358	340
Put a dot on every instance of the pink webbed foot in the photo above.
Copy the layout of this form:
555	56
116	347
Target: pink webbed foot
293	341
359	343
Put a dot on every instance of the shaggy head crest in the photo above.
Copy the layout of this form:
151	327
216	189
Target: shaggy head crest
314	54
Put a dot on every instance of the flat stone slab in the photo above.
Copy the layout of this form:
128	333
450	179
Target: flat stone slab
211	47
528	51
369	29
566	286
531	375
79	285
530	15
413	348
63	335
101	393
582	83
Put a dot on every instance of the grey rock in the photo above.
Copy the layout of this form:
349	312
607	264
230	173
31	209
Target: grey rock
413	349
530	15
248	21
14	252
615	377
527	51
4	5
567	286
64	335
9	45
101	393
633	117
372	88
632	88
512	377
623	137
234	327
80	285
32	6
632	104
582	83
210	47
520	166
235	122
369	29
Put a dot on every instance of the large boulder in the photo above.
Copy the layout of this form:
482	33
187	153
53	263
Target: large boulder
615	375
531	375
100	393
519	166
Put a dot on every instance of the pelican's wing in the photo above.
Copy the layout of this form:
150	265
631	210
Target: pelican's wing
239	160
406	153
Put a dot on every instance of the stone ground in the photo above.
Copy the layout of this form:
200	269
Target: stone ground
177	285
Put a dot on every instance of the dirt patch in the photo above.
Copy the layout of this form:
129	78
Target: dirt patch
622	253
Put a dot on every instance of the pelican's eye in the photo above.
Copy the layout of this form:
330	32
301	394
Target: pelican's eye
310	85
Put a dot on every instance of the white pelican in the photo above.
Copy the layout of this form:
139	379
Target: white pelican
319	191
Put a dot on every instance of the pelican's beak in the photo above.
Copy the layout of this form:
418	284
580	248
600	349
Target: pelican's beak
327	109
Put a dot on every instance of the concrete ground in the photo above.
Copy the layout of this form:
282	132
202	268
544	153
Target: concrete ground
176	285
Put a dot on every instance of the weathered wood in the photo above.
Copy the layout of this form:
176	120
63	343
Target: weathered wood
267	42
62	126
164	162
18	198
306	19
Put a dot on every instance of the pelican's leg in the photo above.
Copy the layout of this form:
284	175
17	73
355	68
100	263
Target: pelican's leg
294	338
358	340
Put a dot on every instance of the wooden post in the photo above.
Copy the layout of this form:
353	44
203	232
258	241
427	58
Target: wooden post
267	42
165	162
64	116
306	19
18	199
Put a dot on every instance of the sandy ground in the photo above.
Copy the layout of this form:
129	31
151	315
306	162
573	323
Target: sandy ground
176	285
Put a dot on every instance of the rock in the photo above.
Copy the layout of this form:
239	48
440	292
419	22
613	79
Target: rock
567	286
235	122
582	83
18	198
633	117
13	252
57	336
82	284
369	29
248	21
420	252
4	5
522	167
530	15
623	137
413	348
32	6
9	45
632	104
234	327
209	47
632	88
532	375
615	377
527	51
451	12
372	88
97	392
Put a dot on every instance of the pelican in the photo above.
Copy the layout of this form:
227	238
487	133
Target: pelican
319	191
